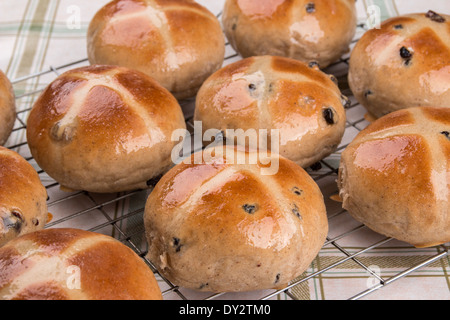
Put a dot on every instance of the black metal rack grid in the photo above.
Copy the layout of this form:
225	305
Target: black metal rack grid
103	211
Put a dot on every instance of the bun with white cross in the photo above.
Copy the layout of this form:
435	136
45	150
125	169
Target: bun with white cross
405	63
295	107
308	30
104	129
395	176
178	42
7	108
73	264
222	221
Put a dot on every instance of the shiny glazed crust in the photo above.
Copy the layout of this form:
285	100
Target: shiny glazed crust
23	198
220	225
177	42
104	129
72	264
267	92
395	176
7	108
404	64
319	30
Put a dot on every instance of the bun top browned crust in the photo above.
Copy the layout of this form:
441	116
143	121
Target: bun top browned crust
403	64
103	103
23	198
238	172
177	42
39	266
319	30
7	108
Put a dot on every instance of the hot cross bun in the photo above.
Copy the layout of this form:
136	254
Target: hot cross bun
307	30
222	221
405	63
72	264
303	104
104	129
177	42
395	176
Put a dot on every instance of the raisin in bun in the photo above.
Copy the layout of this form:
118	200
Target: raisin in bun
395	176
405	63
7	108
177	42
307	30
23	198
72	264
230	220
276	93
104	129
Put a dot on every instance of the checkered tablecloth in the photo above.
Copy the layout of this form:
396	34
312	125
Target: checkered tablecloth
49	36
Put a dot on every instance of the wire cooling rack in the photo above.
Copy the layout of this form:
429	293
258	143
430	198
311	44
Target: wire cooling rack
121	214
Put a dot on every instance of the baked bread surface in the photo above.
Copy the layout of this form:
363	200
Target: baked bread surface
178	42
395	176
23	198
319	30
404	64
216	223
104	129
7	108
72	264
302	104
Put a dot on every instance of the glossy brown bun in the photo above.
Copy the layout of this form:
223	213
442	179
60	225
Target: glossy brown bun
319	30
7	108
104	129
177	42
404	64
276	93
218	222
72	264
23	198
395	176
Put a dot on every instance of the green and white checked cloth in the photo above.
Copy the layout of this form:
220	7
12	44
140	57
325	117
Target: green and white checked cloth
38	35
